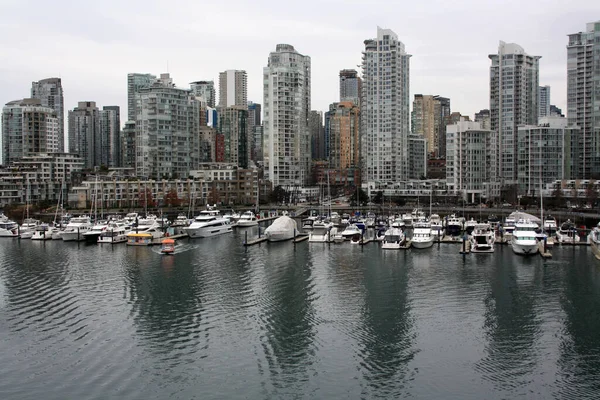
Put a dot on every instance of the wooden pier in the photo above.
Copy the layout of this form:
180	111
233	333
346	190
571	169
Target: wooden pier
544	254
300	238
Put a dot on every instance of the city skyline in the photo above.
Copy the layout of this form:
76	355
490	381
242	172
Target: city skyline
94	58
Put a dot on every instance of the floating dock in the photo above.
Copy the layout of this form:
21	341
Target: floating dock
544	254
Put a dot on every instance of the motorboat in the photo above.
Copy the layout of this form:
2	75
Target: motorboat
320	232
283	228
307	223
550	225
407	218
509	224
594	236
422	235
454	225
335	235
180	223
168	246
567	233
145	226
393	239
524	237
437	229
494	221
209	223
482	239
93	234
114	233
75	229
28	227
131	218
42	232
397	223
9	228
248	218
335	217
232	216
371	220
470	226
139	239
357	238
350	231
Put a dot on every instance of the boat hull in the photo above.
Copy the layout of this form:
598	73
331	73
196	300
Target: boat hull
525	249
422	244
205	232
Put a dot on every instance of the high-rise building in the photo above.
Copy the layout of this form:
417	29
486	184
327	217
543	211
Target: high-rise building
135	82
28	129
233	125
233	89
543	101
167	122
50	93
385	108
255	130
555	111
467	159
417	156
84	134
317	135
205	92
545	153
128	145
286	105
427	120
514	82
484	118
350	86
110	133
583	97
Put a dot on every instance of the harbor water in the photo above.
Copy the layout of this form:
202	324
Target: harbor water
217	320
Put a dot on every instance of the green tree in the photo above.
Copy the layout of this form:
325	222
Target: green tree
278	195
363	198
378	198
591	194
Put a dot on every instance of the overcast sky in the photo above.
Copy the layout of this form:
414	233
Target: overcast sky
93	45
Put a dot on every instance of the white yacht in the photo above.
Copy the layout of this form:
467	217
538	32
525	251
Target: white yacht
148	226
470	226
209	223
320	232
550	225
350	231
93	234
567	233
283	228
393	239
247	219
524	237
131	218
422	236
407	218
27	227
437	229
9	228
335	235
397	223
42	232
115	232
482	239
594	236
509	224
75	229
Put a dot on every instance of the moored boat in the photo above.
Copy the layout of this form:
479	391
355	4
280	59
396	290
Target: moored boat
283	228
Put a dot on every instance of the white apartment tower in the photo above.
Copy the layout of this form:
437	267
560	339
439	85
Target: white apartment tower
583	97
135	82
543	101
514	83
286	138
50	93
385	108
233	89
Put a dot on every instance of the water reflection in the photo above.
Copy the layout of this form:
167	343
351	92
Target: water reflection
511	324
579	360
387	335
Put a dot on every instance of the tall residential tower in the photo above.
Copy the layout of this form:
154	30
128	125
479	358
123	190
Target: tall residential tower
50	93
233	89
385	109
286	137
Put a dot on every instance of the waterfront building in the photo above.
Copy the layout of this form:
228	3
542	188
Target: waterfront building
583	97
233	89
412	188
205	92
417	156
543	101
135	82
545	153
344	137
110	134
350	86
167	120
50	93
28	128
385	108
85	138
317	135
128	145
233	125
467	160
514	82
39	177
255	130
286	137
